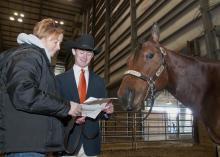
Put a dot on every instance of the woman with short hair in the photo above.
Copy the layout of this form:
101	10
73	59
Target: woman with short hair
31	110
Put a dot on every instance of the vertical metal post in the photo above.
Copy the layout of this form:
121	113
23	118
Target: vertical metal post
107	40
40	11
133	130
127	123
133	25
217	32
208	27
196	47
166	126
93	18
93	27
133	46
178	125
148	130
195	131
1	40
85	23
83	27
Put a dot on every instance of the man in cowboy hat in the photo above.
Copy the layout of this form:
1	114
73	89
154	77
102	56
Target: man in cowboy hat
85	137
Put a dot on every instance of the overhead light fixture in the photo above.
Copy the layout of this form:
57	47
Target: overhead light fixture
11	18
59	22
17	16
21	14
20	20
15	13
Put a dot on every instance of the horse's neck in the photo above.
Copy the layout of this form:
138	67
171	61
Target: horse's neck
183	78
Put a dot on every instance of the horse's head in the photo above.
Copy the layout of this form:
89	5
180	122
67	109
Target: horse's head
146	73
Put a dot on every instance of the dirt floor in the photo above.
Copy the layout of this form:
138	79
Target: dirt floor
162	151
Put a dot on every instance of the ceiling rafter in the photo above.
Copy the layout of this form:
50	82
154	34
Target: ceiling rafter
34	20
40	11
35	10
10	29
45	7
63	7
77	4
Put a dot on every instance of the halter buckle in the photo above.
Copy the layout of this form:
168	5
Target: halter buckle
160	70
163	51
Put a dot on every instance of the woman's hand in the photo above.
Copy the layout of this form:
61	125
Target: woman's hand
75	109
80	120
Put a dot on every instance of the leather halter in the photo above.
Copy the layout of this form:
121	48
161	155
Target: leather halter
149	96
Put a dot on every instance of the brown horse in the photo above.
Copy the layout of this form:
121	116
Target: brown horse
193	81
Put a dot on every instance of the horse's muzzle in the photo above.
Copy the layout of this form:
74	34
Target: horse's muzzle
127	99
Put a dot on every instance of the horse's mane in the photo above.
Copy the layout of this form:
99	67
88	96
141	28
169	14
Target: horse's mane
203	60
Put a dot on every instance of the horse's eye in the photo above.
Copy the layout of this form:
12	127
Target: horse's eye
149	55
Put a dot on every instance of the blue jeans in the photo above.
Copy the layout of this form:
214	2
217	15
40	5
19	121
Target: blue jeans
27	154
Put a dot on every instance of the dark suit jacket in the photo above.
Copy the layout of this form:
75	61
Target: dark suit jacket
96	88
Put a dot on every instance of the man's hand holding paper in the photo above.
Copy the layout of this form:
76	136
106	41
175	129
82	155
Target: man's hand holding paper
93	106
109	109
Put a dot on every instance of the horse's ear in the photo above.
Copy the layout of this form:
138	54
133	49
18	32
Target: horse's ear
155	32
130	59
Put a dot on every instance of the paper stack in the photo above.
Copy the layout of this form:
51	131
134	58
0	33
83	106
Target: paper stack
93	106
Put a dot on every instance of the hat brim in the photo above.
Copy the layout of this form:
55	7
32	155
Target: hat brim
74	45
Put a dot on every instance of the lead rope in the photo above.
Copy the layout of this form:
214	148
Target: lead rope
150	99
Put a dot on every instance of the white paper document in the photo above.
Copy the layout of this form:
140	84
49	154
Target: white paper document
93	106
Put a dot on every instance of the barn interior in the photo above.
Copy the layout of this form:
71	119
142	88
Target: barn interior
189	27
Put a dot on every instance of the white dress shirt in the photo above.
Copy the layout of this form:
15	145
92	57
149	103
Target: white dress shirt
77	71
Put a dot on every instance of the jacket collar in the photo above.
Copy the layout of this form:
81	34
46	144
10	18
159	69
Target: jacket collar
32	40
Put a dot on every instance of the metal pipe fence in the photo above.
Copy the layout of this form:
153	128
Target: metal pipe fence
130	127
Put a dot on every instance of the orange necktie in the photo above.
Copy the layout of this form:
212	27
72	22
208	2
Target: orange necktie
82	87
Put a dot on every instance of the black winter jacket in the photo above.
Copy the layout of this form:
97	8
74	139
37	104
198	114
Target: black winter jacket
30	110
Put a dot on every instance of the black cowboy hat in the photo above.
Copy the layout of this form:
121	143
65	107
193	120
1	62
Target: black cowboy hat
84	42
